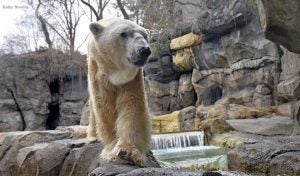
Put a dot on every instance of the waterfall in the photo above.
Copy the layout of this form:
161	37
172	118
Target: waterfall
177	140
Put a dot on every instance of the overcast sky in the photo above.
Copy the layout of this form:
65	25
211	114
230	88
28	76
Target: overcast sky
11	10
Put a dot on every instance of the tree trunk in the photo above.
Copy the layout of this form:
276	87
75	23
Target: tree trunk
121	7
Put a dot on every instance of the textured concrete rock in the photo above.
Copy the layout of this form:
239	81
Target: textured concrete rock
287	163
235	54
81	161
187	119
232	111
264	156
213	127
185	41
295	108
161	70
130	171
210	95
184	60
84	118
34	85
116	168
70	113
11	122
162	98
166	98
186	92
166	123
280	22
288	87
45	158
15	141
263	126
238	81
53	153
77	131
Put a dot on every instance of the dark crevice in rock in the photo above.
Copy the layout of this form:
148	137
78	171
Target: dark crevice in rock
63	161
282	152
18	108
53	106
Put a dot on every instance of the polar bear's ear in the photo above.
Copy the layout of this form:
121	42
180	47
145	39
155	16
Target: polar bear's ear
96	28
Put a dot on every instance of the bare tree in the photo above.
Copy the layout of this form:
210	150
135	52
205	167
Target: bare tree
29	27
26	38
156	14
96	8
36	5
58	18
15	44
122	8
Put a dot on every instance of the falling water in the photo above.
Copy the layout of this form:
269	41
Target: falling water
186	150
177	140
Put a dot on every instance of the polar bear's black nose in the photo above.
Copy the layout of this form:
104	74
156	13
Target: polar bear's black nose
144	51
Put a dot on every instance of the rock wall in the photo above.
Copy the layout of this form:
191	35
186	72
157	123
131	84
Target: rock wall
233	60
41	90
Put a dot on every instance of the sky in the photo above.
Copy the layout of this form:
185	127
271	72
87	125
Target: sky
11	10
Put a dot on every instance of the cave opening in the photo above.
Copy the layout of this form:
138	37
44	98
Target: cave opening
53	117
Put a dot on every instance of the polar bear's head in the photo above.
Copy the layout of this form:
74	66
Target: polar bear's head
121	41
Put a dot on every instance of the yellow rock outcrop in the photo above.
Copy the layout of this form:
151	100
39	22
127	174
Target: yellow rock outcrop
185	41
166	123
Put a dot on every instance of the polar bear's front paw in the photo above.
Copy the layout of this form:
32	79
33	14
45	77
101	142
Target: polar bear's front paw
91	139
128	154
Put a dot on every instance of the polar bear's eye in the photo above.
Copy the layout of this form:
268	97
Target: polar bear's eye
123	34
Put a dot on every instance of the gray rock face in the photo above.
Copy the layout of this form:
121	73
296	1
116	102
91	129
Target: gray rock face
263	126
281	22
235	55
235	59
295	108
161	70
187	118
132	171
276	156
55	153
210	95
25	94
10	158
39	89
84	119
169	97
288	87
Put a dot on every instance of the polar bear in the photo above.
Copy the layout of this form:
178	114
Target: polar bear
119	117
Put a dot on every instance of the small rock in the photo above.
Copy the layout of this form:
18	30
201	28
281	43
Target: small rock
187	119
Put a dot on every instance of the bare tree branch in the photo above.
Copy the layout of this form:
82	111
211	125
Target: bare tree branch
92	9
121	7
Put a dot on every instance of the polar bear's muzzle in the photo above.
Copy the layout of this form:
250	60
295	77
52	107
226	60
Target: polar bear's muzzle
140	56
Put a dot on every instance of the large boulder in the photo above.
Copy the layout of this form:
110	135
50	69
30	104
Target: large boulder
14	142
263	126
187	119
280	21
54	153
273	156
289	85
131	171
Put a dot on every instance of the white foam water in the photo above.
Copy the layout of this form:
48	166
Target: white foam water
177	140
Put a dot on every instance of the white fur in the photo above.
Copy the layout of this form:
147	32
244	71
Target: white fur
123	76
